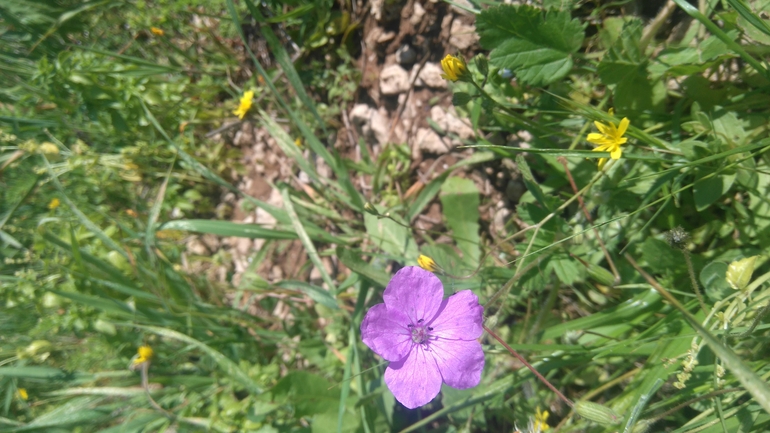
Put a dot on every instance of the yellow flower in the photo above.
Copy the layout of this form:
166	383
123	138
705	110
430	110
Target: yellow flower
54	204
156	31
454	68
298	142
143	354
609	138
428	264
23	394
245	104
540	420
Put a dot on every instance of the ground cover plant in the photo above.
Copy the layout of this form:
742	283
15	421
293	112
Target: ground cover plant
604	222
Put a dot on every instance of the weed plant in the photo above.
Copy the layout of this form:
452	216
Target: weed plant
632	273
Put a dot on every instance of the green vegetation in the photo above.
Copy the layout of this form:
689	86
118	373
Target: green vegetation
637	285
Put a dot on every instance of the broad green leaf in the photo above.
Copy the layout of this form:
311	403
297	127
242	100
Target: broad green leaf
308	393
429	191
390	236
536	44
460	203
625	66
318	294
353	260
708	190
712	277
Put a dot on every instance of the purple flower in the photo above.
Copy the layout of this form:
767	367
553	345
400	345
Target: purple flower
428	340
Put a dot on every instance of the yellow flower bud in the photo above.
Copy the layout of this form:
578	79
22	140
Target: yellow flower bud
156	31
428	264
454	68
54	204
23	394
739	272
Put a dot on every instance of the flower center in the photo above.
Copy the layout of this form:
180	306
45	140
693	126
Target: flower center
420	332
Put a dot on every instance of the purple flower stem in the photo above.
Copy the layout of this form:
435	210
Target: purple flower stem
530	367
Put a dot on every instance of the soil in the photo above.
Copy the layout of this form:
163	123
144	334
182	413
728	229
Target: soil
405	40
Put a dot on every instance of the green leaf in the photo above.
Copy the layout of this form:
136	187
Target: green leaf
460	202
708	190
530	182
714	283
460	99
390	236
308	393
227	228
566	269
536	44
625	66
353	260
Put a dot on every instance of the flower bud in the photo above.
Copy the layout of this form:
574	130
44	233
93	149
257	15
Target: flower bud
601	275
370	209
739	272
455	68
597	413
428	264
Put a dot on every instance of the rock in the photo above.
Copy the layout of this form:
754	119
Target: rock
394	80
370	123
426	140
385	37
431	76
379	126
417	14
462	35
450	123
406	54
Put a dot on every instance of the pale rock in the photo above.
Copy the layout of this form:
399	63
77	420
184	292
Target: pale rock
385	37
431	76
462	35
370	123
417	14
376	8
394	80
450	123
426	140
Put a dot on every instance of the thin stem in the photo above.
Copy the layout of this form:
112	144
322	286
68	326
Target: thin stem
694	281
531	368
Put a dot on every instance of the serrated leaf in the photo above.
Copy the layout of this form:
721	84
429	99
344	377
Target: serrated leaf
536	44
460	202
460	99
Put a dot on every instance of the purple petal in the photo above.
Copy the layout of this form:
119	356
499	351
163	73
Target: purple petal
460	362
414	380
459	318
385	332
414	291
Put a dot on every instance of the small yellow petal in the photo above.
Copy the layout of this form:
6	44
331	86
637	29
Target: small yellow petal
623	126
615	154
602	161
23	394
